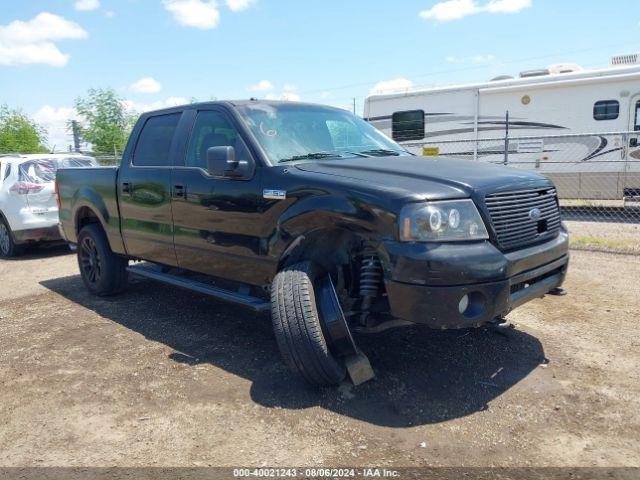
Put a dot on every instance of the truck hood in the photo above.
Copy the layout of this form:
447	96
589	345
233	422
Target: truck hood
428	178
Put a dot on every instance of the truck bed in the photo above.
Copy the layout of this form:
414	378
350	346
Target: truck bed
93	188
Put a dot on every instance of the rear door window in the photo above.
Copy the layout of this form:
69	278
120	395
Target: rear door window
154	142
38	171
408	125
636	126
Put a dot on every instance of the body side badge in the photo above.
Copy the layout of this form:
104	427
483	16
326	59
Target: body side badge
274	194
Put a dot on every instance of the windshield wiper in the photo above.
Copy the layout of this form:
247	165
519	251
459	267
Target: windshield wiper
311	156
380	152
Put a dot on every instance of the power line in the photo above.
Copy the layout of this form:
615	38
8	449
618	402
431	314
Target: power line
473	67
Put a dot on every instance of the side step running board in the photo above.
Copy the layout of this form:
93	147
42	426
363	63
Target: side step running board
154	273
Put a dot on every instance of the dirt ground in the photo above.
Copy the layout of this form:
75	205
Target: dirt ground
163	377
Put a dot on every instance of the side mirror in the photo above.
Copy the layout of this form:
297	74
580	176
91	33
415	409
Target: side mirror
221	161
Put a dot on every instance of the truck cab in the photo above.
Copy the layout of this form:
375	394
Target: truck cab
311	215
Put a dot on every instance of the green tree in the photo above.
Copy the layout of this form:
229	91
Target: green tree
104	120
20	134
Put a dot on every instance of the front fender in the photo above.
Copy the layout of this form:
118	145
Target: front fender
326	222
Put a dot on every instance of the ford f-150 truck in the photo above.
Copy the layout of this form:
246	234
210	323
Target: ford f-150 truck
311	214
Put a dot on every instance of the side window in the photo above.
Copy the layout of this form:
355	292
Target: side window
213	129
408	125
606	110
154	142
7	172
637	122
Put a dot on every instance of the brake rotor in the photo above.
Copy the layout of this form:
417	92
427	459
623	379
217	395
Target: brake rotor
332	319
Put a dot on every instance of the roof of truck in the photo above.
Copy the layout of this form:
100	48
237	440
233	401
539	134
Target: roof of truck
236	103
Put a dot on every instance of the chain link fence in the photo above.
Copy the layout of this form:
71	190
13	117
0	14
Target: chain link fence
597	176
105	160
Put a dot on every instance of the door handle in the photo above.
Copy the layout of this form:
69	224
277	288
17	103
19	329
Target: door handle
179	191
126	187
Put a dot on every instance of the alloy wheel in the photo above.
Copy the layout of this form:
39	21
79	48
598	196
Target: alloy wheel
90	260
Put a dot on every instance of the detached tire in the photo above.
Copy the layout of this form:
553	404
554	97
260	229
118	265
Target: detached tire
103	272
297	326
8	247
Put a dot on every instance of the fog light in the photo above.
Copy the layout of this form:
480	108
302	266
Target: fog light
464	304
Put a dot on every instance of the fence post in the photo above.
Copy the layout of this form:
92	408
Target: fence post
506	140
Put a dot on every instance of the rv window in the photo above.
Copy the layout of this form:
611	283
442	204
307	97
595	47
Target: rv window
637	122
606	110
408	125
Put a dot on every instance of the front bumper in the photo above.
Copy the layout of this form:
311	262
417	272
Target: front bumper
426	283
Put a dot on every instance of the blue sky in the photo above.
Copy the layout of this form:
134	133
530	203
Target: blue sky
159	52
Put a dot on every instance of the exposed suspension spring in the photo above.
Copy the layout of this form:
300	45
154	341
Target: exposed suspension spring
370	275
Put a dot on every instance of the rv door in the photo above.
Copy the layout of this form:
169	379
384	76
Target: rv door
634	121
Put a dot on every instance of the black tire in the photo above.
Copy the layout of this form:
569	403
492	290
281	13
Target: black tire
102	271
297	327
8	246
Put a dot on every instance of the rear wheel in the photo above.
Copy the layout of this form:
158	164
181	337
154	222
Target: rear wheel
8	247
298	329
103	272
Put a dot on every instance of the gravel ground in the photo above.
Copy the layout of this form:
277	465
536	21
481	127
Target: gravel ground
160	377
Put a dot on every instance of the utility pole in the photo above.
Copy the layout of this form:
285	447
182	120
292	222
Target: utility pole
76	135
506	139
354	105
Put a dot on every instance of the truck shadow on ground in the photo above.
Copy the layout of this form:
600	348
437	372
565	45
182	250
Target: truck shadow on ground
423	376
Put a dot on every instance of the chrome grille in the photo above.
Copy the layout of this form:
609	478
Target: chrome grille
511	216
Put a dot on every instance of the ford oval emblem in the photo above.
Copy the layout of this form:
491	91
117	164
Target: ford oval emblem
535	214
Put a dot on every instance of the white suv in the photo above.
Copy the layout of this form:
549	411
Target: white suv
28	206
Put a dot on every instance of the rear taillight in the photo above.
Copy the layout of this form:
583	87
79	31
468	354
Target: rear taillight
25	188
57	190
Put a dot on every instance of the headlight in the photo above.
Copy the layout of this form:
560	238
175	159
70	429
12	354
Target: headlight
453	220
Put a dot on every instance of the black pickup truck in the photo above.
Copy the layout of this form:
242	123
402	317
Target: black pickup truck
311	214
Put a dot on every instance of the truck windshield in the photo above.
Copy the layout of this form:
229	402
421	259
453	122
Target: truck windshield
298	132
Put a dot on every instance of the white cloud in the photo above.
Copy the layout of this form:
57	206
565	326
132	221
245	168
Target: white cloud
146	85
194	13
203	14
456	9
397	84
507	6
110	14
239	5
33	41
288	92
55	121
262	86
450	10
86	5
288	96
136	108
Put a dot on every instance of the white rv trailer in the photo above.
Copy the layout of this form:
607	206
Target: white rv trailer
550	111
